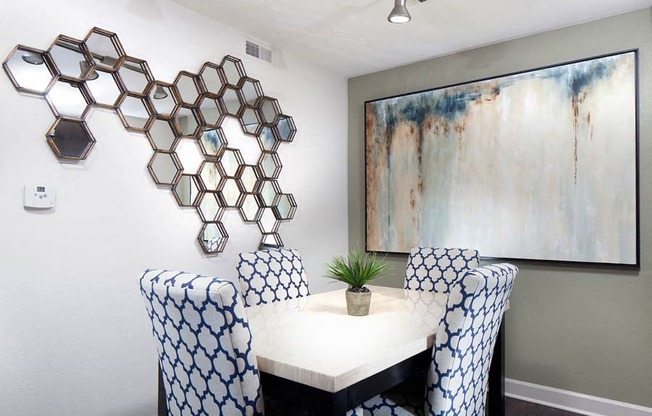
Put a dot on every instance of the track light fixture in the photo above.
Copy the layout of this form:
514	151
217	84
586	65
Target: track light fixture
399	13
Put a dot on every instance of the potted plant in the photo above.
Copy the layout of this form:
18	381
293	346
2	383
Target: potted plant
356	270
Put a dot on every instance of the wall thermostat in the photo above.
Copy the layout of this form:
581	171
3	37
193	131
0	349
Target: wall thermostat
39	196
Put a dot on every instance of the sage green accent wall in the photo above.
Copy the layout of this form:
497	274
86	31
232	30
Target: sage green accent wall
582	329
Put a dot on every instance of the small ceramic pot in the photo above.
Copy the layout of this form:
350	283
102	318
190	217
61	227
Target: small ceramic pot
357	303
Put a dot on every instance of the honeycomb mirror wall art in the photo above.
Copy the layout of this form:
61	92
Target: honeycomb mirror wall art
220	167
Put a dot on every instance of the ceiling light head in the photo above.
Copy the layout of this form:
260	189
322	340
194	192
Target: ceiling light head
83	67
399	13
33	58
159	93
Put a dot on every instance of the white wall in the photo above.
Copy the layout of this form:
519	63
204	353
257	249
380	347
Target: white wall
74	336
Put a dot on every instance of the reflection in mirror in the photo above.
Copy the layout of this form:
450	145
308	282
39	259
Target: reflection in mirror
270	165
162	134
136	113
209	176
164	168
211	79
269	109
267	191
267	222
248	147
249	209
213	143
233	70
105	48
284	206
210	111
70	139
188	122
186	191
250	121
271	240
285	128
162	99
105	89
250	177
187	88
267	140
230	194
69	99
189	154
135	75
71	59
213	237
209	208
231	163
29	70
230	102
251	91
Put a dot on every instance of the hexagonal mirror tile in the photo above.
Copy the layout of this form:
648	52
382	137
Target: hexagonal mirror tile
188	121
251	91
249	210
105	48
267	140
269	109
29	70
213	143
163	100
105	89
211	78
136	113
267	190
285	128
187	88
230	163
249	177
68	98
250	121
163	134
267	222
232	71
270	165
164	168
190	155
209	208
210	111
284	206
135	75
231	193
212	237
186	190
70	139
71	59
230	102
271	240
209	175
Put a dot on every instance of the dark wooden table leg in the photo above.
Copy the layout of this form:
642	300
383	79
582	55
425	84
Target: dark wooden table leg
162	402
496	396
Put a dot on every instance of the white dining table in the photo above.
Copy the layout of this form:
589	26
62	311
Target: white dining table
310	349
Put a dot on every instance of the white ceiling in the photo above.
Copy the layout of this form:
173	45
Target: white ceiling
353	37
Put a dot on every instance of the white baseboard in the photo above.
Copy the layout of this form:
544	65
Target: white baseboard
571	401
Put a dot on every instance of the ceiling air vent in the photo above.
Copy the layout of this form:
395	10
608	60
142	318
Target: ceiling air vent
258	51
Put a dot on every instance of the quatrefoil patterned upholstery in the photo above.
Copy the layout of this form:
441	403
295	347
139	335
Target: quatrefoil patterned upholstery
204	344
268	276
464	343
437	268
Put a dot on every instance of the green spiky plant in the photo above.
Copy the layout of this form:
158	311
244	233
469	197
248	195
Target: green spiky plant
356	270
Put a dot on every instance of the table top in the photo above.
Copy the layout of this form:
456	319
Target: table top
313	341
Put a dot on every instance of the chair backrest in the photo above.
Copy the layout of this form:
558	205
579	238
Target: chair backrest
437	268
204	344
464	342
268	276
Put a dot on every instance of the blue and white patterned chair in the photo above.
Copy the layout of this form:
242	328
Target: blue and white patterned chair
437	268
204	344
268	276
464	343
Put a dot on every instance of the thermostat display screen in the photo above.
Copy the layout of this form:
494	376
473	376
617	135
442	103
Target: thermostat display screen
40	189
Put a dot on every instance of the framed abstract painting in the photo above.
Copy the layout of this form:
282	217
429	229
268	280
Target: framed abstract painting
535	165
